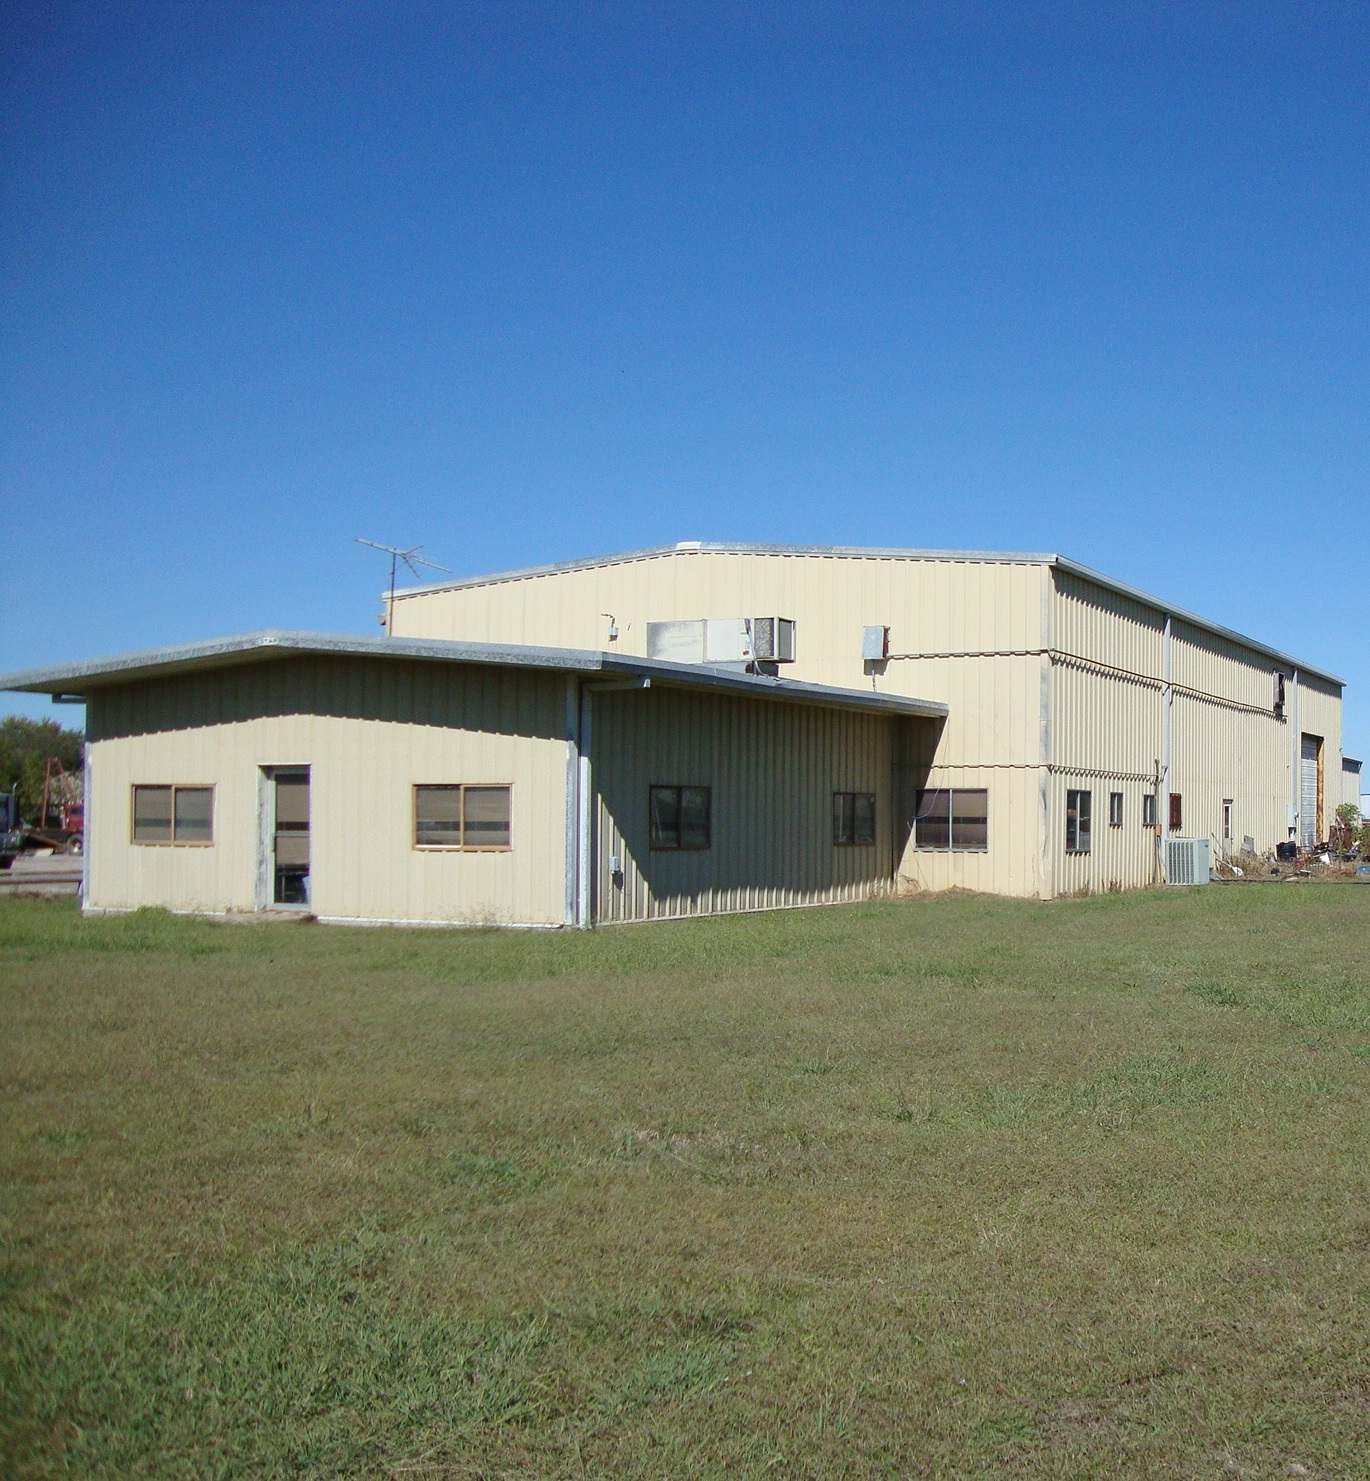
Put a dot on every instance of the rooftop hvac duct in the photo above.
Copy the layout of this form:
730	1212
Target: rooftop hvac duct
723	640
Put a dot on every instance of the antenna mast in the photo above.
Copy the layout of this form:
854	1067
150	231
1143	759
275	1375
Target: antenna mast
412	559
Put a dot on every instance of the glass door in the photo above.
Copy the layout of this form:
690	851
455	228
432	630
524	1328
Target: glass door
290	837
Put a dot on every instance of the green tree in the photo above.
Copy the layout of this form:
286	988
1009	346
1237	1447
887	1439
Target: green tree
25	746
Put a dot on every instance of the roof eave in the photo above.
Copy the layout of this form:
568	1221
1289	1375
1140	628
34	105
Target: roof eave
77	680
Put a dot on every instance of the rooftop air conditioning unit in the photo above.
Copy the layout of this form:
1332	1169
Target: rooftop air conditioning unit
730	641
773	639
1186	861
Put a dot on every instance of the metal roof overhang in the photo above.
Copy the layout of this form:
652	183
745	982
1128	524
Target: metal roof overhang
77	680
871	552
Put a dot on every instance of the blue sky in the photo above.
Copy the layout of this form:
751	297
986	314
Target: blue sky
524	282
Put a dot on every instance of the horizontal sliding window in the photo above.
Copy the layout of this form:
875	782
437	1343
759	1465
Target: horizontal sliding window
460	815
679	817
853	817
955	818
173	814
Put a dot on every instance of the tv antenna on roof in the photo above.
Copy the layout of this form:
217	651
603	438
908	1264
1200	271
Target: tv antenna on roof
412	559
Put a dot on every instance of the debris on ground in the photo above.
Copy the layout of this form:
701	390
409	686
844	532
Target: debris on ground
1322	862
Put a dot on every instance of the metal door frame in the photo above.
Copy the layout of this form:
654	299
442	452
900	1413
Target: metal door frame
266	834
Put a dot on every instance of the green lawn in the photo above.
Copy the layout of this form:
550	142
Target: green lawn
955	1187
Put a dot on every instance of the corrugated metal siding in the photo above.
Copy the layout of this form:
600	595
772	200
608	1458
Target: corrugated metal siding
1023	725
1010	865
1226	741
935	606
1350	784
930	606
369	731
1320	714
772	770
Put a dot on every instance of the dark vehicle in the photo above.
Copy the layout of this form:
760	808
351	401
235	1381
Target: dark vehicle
12	832
61	829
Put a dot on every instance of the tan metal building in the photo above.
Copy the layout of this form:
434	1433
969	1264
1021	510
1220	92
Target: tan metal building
399	780
593	742
1088	723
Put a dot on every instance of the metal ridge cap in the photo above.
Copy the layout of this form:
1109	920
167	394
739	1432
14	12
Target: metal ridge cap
723	547
1169	609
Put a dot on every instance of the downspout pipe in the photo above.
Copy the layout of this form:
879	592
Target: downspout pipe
1163	801
1296	806
585	815
584	916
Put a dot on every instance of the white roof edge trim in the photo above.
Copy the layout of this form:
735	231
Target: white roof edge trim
1191	619
72	678
867	552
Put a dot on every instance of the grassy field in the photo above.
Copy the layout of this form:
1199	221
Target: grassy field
955	1187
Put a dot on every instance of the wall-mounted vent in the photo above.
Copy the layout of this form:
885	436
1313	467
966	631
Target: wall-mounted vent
1187	861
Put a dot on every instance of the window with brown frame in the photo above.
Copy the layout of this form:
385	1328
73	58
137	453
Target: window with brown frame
1176	811
952	818
680	818
473	817
853	818
173	814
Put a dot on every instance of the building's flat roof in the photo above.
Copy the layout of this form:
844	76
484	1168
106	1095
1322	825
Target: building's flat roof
78	679
867	552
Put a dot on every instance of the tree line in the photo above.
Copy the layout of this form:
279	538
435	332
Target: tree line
25	746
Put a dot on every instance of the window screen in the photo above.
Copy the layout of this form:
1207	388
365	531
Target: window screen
164	814
193	814
1078	809
1115	809
955	818
456	815
485	817
853	817
152	815
679	817
437	817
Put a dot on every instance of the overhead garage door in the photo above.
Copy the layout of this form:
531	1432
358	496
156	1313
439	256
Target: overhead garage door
1310	755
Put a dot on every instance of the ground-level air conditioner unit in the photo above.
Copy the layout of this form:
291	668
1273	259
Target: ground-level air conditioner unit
1186	861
